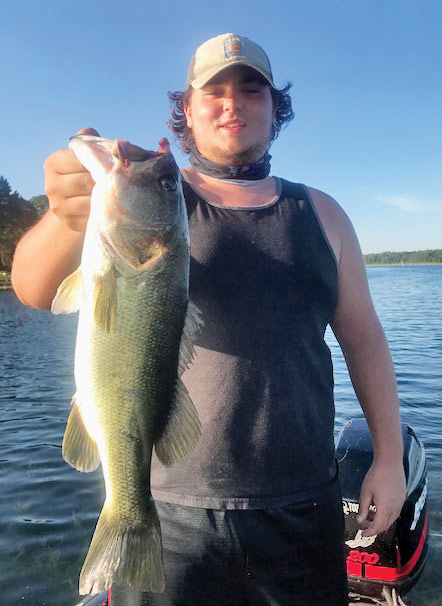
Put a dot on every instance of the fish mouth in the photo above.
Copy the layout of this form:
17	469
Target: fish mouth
125	151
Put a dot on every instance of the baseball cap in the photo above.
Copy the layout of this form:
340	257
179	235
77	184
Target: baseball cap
216	54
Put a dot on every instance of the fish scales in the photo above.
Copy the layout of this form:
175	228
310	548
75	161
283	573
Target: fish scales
136	329
138	364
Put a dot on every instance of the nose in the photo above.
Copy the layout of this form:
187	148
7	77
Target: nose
232	101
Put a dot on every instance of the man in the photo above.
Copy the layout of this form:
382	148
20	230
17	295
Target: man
253	516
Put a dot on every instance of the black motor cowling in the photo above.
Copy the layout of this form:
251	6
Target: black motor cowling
396	558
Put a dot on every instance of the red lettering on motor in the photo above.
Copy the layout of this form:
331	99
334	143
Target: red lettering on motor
363	557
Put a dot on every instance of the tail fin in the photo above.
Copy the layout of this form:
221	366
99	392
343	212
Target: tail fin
124	551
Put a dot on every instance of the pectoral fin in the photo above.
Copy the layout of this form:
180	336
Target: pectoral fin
79	449
69	294
105	300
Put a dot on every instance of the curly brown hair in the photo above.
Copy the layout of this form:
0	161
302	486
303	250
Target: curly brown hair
183	134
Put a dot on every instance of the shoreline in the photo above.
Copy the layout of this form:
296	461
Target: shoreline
5	280
5	276
399	264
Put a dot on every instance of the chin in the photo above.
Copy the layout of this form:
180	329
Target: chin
239	155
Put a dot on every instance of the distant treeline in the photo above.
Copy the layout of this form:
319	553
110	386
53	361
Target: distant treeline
408	258
17	215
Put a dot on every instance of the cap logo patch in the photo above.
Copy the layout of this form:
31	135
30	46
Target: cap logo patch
233	48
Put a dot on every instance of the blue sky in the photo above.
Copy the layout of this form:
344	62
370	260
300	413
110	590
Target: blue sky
367	92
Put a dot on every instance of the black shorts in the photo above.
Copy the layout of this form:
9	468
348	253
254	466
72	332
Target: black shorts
292	555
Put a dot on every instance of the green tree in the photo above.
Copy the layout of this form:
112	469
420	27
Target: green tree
16	217
397	258
5	189
40	203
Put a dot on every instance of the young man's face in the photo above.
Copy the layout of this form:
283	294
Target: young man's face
231	117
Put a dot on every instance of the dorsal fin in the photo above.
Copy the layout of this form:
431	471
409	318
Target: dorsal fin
192	326
183	428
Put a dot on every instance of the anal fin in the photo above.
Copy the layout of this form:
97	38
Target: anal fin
79	449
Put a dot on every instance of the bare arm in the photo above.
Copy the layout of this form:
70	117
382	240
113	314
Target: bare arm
44	257
51	250
369	362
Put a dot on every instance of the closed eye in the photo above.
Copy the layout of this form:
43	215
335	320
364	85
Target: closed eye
212	93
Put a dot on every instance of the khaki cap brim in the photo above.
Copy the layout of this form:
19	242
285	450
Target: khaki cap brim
210	73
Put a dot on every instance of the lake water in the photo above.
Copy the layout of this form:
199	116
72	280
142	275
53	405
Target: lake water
48	510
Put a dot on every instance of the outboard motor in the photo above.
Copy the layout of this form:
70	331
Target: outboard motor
392	561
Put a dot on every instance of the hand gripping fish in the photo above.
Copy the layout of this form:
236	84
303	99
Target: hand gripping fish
135	338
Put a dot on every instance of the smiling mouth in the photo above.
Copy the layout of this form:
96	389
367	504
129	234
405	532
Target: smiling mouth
233	127
233	124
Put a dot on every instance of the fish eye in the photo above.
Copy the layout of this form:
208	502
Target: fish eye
168	182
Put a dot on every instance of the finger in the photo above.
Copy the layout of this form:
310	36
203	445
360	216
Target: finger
365	500
380	523
64	187
374	528
74	212
88	131
369	532
76	184
63	161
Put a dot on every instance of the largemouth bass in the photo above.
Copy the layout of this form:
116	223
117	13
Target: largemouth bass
135	338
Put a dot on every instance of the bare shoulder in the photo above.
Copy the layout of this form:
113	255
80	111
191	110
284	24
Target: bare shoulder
321	198
327	207
354	307
335	222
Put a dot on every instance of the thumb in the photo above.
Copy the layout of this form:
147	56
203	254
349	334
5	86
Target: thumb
88	131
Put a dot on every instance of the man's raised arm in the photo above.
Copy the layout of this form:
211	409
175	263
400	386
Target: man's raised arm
51	249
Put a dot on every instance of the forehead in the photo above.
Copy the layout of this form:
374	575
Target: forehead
239	74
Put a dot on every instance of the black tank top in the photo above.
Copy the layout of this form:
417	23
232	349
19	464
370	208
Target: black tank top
265	279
